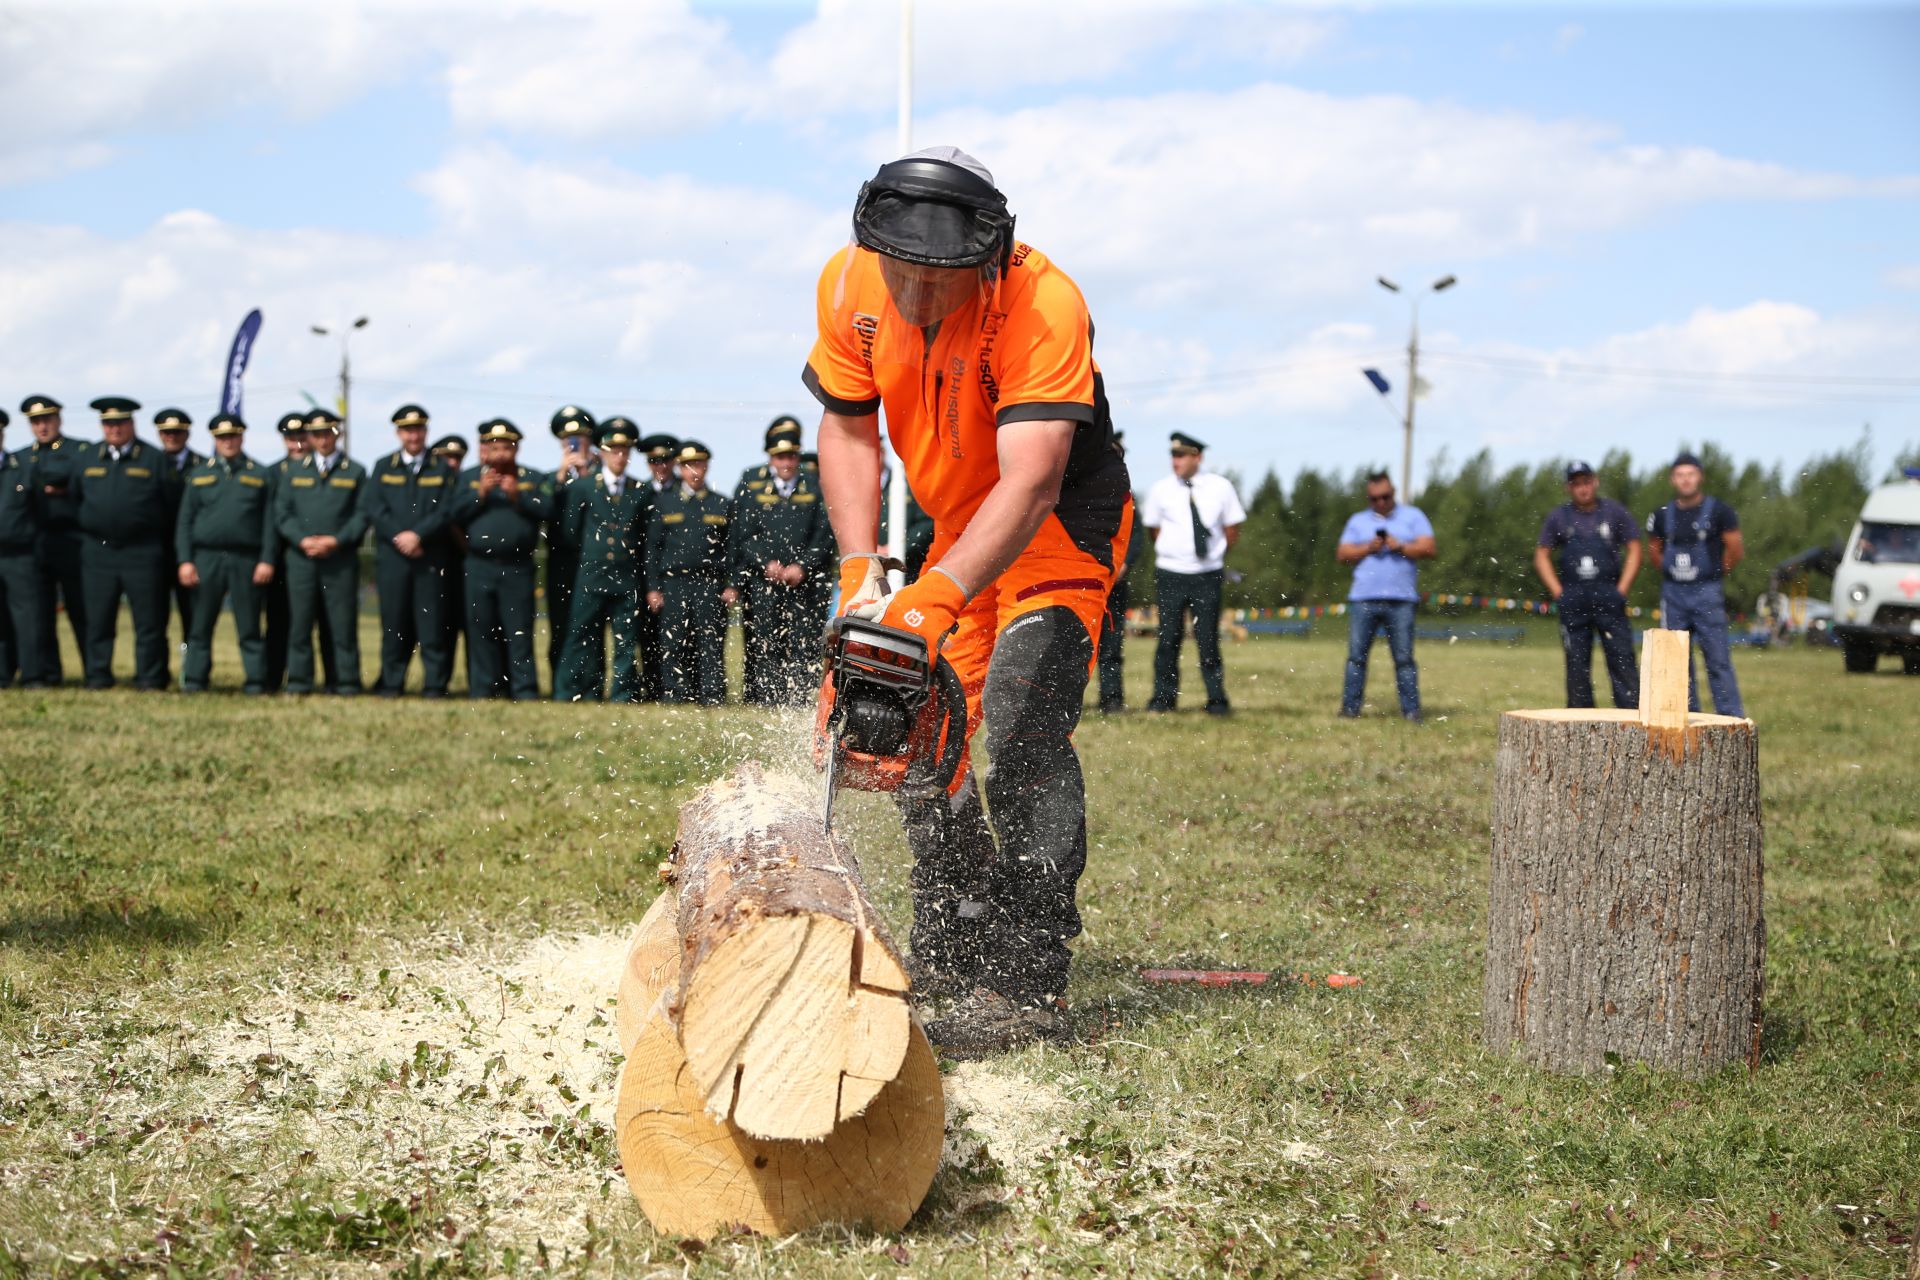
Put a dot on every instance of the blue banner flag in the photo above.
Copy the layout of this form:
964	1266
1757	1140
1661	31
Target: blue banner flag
1379	383
237	363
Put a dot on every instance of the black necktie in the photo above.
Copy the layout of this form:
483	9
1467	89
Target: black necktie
1200	535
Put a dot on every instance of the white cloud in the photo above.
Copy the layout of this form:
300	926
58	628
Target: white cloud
570	69
76	74
1306	403
1904	277
1568	36
589	69
1290	193
609	297
845	58
494	200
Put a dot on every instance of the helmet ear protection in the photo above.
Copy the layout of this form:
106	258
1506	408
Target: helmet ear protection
934	213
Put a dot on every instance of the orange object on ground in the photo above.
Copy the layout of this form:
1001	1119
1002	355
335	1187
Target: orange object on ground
1240	977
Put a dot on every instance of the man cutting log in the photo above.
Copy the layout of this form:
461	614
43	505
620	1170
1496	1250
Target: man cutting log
981	352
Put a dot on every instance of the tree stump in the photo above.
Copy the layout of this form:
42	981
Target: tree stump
1624	916
770	959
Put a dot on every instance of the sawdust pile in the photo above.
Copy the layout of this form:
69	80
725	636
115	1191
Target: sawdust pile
1015	1121
497	1069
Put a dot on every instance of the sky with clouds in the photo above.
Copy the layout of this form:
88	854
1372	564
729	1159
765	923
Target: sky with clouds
1668	224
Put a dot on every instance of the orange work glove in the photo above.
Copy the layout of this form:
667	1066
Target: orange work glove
863	580
929	607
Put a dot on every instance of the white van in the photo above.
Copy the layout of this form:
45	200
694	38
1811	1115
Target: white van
1876	590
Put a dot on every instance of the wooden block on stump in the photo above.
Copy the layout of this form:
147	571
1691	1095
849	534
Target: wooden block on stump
1624	912
772	960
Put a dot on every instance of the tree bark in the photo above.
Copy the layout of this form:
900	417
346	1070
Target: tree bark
1625	914
791	998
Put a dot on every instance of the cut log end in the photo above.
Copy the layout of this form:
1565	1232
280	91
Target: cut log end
777	1018
695	1175
790	995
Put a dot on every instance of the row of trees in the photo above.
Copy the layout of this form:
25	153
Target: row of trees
1486	522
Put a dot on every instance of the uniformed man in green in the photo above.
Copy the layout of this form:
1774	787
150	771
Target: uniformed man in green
20	521
172	426
55	462
687	582
609	512
751	675
409	498
574	428
662	452
451	452
125	503
221	539
781	548
320	513
293	439
501	505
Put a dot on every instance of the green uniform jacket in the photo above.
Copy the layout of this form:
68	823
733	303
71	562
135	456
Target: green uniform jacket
767	526
499	528
129	501
277	475
610	533
58	464
687	537
21	510
177	476
567	490
226	506
398	500
307	504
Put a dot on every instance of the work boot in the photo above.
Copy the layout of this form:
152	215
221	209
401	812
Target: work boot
934	980
985	1022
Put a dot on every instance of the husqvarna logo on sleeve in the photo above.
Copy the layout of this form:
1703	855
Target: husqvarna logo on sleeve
865	328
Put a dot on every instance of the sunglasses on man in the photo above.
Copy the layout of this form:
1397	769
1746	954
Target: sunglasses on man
1374	499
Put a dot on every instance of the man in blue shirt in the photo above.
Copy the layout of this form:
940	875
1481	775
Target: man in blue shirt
1382	543
1599	548
1695	539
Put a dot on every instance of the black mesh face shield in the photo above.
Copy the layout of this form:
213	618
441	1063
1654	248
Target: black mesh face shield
934	213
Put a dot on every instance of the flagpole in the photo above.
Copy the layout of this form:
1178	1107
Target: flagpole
897	488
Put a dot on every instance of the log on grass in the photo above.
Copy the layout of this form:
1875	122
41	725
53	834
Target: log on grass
695	1175
1624	912
791	999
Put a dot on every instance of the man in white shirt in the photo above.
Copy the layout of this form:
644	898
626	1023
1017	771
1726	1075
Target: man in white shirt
1195	519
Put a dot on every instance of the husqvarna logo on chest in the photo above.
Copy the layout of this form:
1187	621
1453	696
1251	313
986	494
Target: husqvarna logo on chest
989	330
951	409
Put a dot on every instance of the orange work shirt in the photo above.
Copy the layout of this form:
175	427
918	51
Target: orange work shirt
1018	353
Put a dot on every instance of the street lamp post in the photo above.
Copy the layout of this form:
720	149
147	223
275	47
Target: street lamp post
346	377
1413	375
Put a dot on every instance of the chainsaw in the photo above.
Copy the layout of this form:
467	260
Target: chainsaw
892	716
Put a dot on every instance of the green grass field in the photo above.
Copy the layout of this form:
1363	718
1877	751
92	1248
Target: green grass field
322	987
